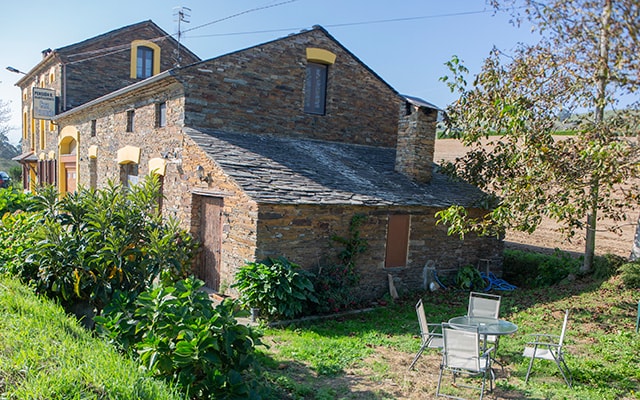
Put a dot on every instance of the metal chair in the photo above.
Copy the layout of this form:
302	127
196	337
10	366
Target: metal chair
461	355
549	347
485	305
430	337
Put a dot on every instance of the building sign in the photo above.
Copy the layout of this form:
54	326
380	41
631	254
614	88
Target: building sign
44	103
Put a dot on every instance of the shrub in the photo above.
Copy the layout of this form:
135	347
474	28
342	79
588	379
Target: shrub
93	242
12	200
179	336
527	269
630	274
16	237
277	287
607	265
469	278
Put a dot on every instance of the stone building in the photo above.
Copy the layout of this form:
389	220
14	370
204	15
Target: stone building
272	150
78	73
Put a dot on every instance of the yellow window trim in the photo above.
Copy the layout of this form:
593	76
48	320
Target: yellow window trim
134	56
129	155
93	151
158	166
320	56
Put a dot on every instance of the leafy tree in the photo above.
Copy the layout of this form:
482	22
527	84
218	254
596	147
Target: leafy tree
585	62
7	150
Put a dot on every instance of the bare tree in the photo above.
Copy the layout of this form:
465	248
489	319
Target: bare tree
585	62
7	150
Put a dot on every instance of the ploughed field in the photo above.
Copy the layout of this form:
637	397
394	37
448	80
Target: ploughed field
545	238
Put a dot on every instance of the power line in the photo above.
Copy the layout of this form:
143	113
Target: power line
349	24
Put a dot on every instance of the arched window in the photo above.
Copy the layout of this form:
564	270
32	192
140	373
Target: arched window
145	59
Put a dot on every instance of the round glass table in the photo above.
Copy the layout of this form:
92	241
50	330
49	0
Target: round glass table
486	326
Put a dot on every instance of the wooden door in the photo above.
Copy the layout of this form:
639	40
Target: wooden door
397	241
210	237
71	178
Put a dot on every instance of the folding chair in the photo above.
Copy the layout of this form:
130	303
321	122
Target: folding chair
485	305
461	355
546	347
430	338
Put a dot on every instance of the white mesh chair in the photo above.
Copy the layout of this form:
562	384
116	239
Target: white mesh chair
430	334
549	347
461	355
485	305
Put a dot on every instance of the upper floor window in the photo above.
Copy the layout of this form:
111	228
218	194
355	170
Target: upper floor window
93	128
144	62
315	85
145	59
315	90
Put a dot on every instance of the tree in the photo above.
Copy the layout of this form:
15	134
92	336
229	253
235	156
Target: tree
584	63
7	150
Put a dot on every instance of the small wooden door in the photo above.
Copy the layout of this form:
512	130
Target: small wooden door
71	177
397	241
210	237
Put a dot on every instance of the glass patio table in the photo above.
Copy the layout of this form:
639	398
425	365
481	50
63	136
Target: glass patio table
486	326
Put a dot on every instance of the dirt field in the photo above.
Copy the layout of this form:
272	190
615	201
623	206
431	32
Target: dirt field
546	238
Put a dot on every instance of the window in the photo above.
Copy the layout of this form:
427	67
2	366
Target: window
93	128
315	89
145	59
144	63
129	175
161	115
130	117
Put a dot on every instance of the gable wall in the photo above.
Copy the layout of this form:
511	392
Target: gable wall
97	76
261	90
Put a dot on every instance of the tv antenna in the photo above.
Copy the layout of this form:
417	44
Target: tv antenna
181	14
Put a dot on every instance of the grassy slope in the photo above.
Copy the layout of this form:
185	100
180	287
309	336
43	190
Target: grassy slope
46	355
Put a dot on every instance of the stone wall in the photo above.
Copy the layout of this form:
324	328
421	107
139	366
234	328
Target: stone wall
261	90
302	234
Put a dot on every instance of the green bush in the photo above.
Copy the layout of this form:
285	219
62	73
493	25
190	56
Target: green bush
12	199
528	269
181	337
630	274
16	237
279	288
94	242
469	278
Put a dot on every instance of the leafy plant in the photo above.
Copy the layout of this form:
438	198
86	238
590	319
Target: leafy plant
630	274
277	287
93	242
468	278
180	336
334	282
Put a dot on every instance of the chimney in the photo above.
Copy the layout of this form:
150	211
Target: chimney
416	139
46	52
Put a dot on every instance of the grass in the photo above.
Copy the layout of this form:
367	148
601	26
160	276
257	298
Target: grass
366	355
46	355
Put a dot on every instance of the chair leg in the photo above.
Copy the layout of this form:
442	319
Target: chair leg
533	356
415	359
562	364
439	381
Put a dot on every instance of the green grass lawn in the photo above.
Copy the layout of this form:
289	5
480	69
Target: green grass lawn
366	355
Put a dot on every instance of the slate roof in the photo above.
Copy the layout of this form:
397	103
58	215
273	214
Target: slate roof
281	170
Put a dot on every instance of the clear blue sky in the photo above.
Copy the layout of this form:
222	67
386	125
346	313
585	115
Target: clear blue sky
405	42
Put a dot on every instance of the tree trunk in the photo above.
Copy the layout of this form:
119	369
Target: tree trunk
602	78
635	250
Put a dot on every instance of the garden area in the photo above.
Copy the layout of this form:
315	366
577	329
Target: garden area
93	308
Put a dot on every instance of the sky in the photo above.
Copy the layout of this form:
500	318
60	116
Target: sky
405	42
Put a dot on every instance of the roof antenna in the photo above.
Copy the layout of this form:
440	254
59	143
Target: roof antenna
180	14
